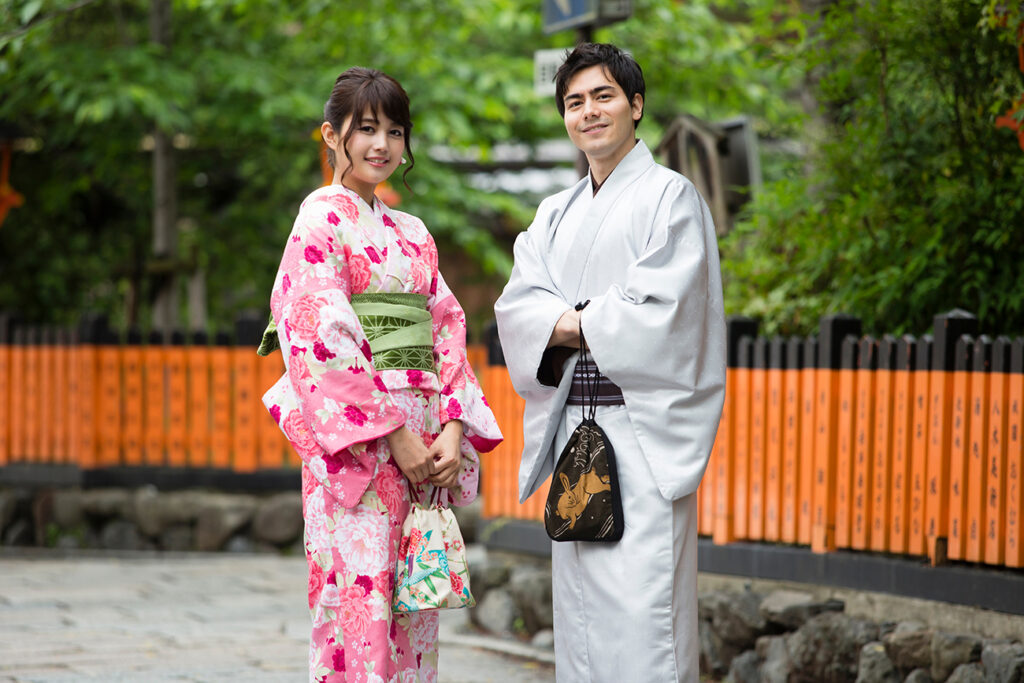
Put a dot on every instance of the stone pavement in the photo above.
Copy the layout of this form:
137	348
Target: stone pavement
192	617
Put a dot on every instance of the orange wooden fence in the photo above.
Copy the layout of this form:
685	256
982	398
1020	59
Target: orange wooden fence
906	446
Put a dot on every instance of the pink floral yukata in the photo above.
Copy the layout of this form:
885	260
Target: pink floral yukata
334	407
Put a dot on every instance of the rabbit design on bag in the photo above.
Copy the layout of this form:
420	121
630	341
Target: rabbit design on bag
574	499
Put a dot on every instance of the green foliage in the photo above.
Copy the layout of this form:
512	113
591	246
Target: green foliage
241	90
910	203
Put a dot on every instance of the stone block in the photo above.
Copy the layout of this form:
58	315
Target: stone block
909	646
776	666
67	508
874	665
827	647
791	609
745	668
530	587
1003	662
14	504
178	538
468	517
544	639
146	511
950	650
103	504
716	655
919	676
496	613
120	534
19	533
967	673
220	518
278	519
736	617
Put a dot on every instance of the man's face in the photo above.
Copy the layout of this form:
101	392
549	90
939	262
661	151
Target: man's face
598	116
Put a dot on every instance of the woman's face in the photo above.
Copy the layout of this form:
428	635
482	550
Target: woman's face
376	148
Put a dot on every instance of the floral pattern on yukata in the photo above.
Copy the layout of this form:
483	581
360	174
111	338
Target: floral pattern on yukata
335	406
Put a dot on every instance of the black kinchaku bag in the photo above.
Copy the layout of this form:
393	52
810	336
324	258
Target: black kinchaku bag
583	502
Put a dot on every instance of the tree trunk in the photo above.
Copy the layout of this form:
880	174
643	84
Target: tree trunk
165	238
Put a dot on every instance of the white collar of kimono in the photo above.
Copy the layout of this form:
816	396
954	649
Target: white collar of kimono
638	161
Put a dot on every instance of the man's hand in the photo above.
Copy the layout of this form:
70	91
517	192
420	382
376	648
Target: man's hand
410	454
446	453
567	330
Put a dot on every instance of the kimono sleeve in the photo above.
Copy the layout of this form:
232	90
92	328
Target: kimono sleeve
660	336
342	401
527	311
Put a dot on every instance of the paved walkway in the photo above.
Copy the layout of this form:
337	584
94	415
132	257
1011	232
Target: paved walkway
214	617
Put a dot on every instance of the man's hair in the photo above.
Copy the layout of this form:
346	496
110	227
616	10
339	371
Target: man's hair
622	67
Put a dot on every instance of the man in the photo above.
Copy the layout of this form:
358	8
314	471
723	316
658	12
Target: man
635	240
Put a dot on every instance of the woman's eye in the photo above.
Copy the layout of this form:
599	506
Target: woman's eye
397	132
366	129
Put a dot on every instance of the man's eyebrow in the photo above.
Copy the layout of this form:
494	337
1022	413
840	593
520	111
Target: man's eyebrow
594	91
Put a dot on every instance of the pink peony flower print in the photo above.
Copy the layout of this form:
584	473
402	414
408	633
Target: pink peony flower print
420	277
338	660
275	412
333	462
379	383
365	348
304	317
456	582
359	273
382	582
414	377
300	436
365	582
332	218
390	488
286	283
454	409
372	253
356	369
313	254
387	221
321	352
316	583
346	206
355	415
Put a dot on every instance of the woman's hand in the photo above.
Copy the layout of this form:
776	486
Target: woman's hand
446	453
411	455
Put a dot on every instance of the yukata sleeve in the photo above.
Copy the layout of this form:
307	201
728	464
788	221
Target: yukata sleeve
527	311
660	336
343	405
461	395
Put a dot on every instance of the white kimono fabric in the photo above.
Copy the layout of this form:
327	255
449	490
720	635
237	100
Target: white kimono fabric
643	251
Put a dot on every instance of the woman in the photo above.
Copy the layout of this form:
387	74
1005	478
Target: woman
377	391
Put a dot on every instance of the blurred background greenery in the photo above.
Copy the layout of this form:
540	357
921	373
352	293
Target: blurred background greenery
889	191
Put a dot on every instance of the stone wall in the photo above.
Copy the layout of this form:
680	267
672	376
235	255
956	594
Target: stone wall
147	519
771	636
783	636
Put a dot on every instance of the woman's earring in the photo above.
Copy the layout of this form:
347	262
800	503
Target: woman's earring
404	160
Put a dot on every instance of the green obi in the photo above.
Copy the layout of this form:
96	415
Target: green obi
397	325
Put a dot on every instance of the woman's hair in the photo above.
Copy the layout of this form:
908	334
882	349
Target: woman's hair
622	67
358	90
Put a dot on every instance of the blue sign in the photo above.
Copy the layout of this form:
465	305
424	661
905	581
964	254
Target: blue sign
560	15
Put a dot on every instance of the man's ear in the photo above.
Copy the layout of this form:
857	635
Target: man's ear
637	105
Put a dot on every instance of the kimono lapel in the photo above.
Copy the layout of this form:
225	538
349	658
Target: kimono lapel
632	166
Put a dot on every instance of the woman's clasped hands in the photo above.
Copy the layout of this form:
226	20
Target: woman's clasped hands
438	462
